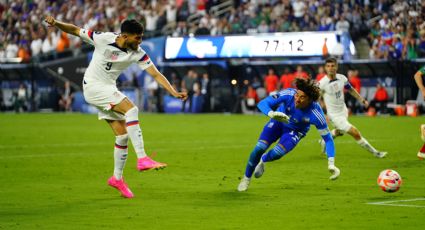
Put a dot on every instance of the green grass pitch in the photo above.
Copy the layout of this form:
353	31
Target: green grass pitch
54	168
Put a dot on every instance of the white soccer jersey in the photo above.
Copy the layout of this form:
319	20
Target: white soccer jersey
333	94
108	60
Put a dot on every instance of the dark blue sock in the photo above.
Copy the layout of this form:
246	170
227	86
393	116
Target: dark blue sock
254	158
276	153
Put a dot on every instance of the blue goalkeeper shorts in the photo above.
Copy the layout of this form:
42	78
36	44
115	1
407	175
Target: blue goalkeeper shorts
273	131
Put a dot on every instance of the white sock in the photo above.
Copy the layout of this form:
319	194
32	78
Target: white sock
134	131
120	155
365	144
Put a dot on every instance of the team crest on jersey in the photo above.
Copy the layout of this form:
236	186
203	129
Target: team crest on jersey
113	55
306	119
335	86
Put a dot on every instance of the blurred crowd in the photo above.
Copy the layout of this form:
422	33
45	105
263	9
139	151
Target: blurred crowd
396	28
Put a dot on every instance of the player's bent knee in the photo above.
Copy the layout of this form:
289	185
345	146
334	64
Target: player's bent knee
132	113
122	139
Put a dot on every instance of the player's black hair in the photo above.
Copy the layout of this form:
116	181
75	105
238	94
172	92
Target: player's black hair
331	60
132	27
309	87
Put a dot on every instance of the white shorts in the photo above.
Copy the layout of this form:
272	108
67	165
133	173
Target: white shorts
104	97
340	122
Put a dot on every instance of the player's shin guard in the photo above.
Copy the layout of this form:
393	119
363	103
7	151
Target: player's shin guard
255	157
276	153
134	131
120	155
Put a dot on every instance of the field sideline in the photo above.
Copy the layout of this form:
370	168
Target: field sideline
54	168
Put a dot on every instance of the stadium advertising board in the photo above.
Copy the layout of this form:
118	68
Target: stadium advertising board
297	44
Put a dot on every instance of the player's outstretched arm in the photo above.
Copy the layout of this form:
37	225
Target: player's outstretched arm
319	121
419	82
65	27
355	94
153	71
330	152
267	105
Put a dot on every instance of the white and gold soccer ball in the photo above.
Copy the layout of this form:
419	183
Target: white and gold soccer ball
389	180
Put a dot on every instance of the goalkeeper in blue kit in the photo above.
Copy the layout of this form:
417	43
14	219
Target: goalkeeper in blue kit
292	111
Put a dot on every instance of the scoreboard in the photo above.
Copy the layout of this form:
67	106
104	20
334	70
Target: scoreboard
294	44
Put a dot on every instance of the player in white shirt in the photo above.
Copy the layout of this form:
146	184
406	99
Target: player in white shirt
332	87
113	53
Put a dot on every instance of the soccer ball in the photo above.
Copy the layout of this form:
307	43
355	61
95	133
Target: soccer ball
389	180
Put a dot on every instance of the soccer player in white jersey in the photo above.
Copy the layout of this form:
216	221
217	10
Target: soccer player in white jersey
332	87
113	53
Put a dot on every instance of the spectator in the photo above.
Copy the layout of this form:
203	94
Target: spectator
36	45
351	102
380	100
206	92
300	73
48	44
421	46
251	98
299	8
385	21
181	29
188	83
410	49
271	82
171	12
63	43
23	52
11	50
321	73
342	25
66	98
263	27
20	99
287	78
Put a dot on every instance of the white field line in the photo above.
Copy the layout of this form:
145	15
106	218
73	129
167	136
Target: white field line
395	203
85	153
55	145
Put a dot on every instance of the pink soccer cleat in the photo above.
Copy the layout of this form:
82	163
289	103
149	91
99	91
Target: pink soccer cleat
146	163
121	186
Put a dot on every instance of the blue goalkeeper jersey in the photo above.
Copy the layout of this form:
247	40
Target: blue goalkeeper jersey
300	119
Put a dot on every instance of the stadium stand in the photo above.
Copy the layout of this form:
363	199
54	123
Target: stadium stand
388	29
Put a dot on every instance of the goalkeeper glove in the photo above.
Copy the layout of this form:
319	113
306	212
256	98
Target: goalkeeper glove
279	116
333	169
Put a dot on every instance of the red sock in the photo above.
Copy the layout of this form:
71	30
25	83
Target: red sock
422	149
